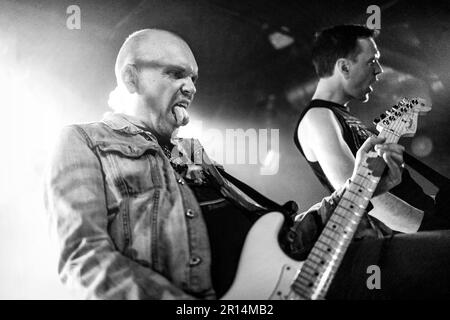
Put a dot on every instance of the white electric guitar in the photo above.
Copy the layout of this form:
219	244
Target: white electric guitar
266	272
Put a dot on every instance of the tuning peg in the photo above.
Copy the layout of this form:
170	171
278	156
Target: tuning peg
383	115
376	120
401	103
395	107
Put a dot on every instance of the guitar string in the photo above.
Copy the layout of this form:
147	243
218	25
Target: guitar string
390	137
365	184
352	198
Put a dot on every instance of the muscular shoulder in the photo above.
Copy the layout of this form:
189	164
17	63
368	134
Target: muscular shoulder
319	129
318	122
318	117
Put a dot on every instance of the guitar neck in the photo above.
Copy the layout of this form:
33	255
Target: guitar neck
325	257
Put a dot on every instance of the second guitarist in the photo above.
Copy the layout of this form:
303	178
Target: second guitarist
328	135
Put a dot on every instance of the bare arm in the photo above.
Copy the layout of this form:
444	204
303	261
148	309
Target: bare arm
321	138
308	225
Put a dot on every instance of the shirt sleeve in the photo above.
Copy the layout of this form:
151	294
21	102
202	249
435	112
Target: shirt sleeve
76	204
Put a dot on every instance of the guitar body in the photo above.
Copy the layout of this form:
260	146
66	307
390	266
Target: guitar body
264	271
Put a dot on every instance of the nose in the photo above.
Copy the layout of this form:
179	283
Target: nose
188	88
378	68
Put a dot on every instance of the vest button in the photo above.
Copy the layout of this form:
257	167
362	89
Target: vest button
180	181
190	213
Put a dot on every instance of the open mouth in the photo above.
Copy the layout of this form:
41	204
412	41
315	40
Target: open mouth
180	113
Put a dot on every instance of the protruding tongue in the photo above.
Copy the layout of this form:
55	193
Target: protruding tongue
181	115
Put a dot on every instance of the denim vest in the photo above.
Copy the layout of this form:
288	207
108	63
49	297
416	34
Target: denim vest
127	225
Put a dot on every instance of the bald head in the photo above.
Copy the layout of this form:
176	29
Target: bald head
156	73
147	45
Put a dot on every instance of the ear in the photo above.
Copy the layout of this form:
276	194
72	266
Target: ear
343	67
130	78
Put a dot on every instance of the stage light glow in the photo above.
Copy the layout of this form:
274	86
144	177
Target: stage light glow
422	146
280	40
437	86
32	120
33	102
270	164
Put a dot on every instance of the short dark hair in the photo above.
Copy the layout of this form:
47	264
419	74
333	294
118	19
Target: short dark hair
337	42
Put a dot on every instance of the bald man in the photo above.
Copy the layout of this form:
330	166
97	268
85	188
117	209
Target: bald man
156	74
139	214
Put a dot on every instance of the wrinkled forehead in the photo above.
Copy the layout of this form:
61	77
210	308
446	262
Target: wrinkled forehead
168	52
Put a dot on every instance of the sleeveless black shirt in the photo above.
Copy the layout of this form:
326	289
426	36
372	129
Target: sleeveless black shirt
354	134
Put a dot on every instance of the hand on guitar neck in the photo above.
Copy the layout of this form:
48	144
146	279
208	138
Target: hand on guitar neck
392	156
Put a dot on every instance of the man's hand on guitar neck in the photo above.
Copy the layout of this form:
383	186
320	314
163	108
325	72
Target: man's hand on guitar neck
391	153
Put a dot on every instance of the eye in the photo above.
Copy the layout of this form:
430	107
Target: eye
177	74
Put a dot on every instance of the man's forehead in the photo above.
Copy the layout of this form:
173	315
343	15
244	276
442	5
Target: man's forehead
164	63
368	47
170	54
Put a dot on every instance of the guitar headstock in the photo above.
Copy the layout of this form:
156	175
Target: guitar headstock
402	119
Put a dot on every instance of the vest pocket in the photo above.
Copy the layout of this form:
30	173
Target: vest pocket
131	169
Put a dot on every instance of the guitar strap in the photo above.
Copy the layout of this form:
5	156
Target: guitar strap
430	174
442	198
289	208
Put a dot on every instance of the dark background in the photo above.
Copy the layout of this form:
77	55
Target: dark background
52	76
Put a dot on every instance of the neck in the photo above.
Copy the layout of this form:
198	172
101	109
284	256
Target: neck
329	89
137	110
138	117
136	120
